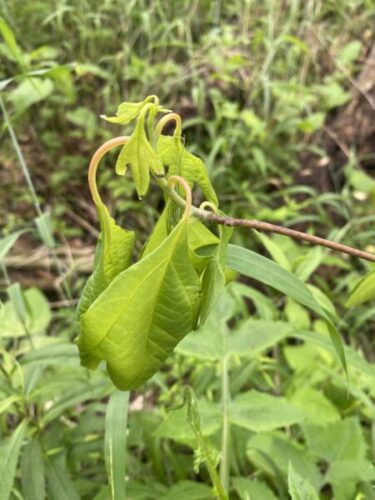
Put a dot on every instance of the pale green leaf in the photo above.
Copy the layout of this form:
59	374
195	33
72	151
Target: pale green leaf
260	412
140	156
113	255
251	489
176	424
115	443
128	111
299	487
188	490
280	451
11	43
315	406
364	291
36	320
9	453
341	440
152	307
344	476
180	162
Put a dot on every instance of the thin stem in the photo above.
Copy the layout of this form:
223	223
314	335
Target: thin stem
225	220
225	400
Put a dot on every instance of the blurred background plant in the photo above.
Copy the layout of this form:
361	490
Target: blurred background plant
278	99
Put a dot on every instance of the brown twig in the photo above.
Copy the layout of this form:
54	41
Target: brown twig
292	233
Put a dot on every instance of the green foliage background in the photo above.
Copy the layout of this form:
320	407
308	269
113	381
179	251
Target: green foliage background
257	85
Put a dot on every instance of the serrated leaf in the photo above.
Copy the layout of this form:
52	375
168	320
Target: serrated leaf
180	162
364	291
9	453
153	306
139	155
299	487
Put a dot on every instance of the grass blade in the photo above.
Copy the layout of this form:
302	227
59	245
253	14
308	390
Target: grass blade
115	443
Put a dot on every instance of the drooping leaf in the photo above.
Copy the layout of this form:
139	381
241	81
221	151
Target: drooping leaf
115	443
180	162
112	255
364	291
9	453
152	307
141	157
268	272
299	487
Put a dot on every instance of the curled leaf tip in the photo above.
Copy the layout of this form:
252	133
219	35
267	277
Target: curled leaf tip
176	179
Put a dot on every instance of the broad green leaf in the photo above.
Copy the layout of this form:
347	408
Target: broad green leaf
60	484
249	340
264	270
316	407
32	471
173	154
36	320
176	425
29	92
344	476
260	412
341	440
364	291
128	111
281	451
299	487
9	453
349	52
115	443
5	403
189	490
153	305
249	489
138	153
7	243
